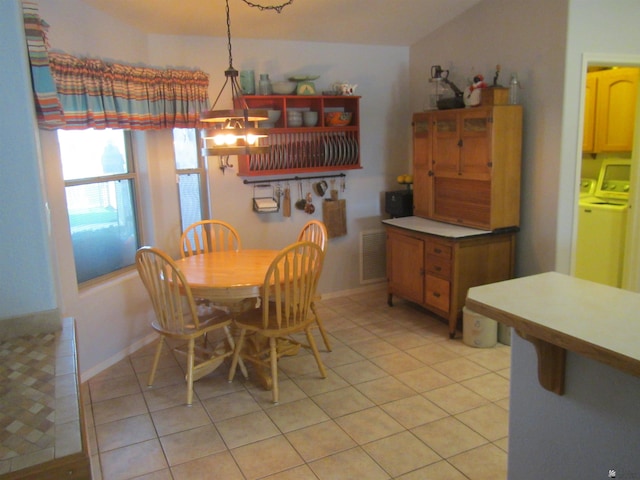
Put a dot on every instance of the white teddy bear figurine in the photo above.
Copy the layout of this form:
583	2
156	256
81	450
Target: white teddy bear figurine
345	88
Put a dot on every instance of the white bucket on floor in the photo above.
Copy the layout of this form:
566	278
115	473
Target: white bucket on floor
478	330
504	334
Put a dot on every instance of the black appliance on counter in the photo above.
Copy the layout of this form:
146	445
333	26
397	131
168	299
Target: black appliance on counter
399	203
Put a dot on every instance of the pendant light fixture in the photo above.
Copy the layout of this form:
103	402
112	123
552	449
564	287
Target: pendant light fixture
233	132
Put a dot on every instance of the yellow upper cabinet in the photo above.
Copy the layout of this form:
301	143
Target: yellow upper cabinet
589	114
610	110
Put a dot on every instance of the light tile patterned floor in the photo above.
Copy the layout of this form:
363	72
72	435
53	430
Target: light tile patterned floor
401	401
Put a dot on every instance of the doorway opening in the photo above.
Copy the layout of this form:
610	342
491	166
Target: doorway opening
607	246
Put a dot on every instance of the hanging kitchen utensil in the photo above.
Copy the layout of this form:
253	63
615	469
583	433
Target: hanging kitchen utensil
334	190
309	207
277	193
320	188
265	199
286	201
301	202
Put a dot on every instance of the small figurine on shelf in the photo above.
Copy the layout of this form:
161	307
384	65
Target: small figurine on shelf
495	77
478	82
345	88
472	92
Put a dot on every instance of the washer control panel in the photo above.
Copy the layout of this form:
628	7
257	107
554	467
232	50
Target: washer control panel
616	186
614	180
587	186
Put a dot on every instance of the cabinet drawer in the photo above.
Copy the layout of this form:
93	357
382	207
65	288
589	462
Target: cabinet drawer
439	265
438	250
438	292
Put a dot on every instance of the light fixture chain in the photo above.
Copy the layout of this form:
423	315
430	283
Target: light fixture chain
229	36
277	8
232	132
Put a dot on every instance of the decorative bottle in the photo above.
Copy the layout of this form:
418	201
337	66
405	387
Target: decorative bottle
514	86
264	85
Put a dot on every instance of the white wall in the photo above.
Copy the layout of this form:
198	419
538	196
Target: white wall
526	37
595	426
382	77
25	261
113	317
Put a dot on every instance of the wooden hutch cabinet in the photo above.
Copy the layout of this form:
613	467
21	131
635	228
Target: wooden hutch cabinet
422	181
301	149
466	194
467	166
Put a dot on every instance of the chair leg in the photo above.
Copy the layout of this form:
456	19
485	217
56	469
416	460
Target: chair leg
156	359
243	368
275	391
190	360
325	338
236	355
316	354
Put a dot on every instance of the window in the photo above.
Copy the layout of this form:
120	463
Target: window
100	187
191	177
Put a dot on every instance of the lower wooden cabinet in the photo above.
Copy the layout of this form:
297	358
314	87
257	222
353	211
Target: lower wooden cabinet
436	271
404	253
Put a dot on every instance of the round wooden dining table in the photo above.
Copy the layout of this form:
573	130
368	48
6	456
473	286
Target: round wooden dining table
232	278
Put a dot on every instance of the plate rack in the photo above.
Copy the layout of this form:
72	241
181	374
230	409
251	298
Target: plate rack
312	149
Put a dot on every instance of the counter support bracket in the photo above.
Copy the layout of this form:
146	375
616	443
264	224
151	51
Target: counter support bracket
551	363
548	310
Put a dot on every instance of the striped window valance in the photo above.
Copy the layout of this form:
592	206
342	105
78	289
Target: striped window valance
48	108
79	93
99	94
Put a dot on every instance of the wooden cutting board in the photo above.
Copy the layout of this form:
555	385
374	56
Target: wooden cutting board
286	203
334	216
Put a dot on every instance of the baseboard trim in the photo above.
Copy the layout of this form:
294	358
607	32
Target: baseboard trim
353	291
122	354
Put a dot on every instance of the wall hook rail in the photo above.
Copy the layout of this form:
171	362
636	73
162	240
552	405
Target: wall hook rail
293	179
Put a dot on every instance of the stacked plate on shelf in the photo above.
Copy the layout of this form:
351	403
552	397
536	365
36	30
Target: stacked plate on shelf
307	150
340	150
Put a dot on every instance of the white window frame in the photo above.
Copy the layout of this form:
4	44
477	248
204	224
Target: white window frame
132	176
200	169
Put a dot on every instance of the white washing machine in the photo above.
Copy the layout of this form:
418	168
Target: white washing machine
602	221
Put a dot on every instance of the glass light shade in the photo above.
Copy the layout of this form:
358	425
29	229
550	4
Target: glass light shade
233	141
233	132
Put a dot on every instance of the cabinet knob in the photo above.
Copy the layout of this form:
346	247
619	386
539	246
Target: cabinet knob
460	143
436	294
430	173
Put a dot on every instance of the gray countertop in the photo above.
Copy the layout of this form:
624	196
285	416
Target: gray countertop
594	320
